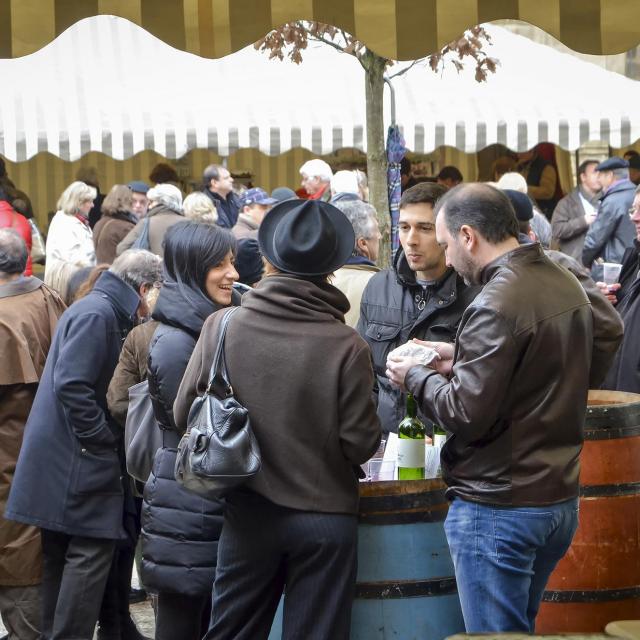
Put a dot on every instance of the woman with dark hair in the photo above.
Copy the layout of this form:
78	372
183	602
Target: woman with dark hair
180	529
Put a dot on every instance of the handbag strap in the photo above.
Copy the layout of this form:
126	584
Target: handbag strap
218	376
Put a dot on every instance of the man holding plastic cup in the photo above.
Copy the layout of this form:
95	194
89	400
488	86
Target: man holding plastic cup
624	374
611	233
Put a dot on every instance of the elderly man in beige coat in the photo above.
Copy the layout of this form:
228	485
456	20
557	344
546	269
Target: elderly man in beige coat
352	278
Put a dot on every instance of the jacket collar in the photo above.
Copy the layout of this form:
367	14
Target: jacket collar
160	208
360	261
123	215
247	221
621	185
524	254
285	297
579	191
183	306
407	278
24	284
216	197
122	296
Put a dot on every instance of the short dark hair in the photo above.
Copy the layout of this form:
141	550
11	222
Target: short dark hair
450	173
162	173
191	249
211	172
582	169
13	252
423	192
482	207
405	166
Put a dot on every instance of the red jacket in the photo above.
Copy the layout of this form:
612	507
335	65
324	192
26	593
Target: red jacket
12	219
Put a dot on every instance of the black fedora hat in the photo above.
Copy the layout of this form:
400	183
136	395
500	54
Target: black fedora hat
306	237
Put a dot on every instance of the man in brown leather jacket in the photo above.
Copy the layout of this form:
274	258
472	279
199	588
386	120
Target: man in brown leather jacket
512	396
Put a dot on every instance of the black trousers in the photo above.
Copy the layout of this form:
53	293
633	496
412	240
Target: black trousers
74	574
265	549
114	616
180	616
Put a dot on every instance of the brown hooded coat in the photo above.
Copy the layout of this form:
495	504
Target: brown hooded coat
29	312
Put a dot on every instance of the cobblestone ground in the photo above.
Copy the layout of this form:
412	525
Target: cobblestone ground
142	614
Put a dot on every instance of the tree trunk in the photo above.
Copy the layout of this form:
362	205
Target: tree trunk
376	153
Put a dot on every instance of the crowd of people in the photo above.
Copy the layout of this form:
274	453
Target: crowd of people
495	277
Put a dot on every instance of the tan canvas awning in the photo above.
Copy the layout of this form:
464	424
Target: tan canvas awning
398	29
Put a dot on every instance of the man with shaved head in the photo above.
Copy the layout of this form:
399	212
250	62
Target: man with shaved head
511	394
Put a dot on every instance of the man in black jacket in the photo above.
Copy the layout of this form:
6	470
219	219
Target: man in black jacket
419	298
217	183
512	396
624	374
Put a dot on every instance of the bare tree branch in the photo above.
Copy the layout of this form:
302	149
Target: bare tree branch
403	71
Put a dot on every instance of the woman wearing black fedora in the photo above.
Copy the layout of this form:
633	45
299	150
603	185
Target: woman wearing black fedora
305	378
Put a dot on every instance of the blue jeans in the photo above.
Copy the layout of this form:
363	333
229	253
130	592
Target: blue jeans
503	557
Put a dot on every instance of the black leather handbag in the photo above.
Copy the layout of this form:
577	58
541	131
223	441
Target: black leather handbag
219	451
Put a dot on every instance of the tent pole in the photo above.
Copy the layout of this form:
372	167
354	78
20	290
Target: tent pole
393	100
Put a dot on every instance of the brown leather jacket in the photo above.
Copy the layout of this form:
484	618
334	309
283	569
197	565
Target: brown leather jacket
515	401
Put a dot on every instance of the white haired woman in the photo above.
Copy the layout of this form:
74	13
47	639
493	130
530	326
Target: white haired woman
165	210
70	239
198	207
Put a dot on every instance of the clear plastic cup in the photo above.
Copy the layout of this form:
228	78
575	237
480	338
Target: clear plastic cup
382	470
611	272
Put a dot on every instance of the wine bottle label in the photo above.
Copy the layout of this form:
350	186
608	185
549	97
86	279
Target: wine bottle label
439	439
410	453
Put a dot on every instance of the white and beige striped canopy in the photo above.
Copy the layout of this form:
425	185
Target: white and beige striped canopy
107	85
395	29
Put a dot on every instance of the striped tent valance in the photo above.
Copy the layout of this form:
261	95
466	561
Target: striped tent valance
107	85
397	29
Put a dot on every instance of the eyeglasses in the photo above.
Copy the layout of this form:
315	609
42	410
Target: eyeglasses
633	210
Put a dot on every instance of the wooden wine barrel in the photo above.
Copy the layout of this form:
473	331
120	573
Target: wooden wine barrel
599	578
406	587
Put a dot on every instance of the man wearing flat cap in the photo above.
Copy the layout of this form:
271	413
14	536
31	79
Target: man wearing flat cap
612	231
140	202
607	325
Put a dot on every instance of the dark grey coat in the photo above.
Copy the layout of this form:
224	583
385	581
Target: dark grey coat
68	475
568	225
612	231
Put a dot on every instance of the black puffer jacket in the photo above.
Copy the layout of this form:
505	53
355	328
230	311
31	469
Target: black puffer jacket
395	309
180	530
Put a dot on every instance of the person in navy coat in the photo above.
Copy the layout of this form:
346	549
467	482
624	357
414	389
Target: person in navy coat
68	479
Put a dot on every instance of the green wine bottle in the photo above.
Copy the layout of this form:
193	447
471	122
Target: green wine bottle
439	438
411	444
